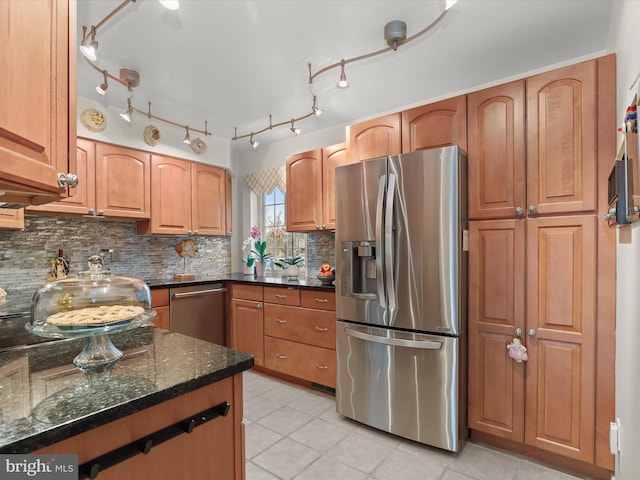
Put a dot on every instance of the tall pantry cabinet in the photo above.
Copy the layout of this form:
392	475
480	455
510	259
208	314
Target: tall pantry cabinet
538	149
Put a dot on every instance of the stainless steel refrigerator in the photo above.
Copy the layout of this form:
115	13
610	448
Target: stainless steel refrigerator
401	289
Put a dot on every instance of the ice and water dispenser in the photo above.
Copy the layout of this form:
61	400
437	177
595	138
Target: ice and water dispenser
358	265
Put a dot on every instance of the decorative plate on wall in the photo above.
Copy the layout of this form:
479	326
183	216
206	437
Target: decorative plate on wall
198	146
151	135
93	120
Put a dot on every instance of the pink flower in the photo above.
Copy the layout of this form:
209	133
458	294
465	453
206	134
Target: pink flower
255	231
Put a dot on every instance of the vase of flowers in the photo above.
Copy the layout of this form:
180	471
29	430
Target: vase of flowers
260	252
248	259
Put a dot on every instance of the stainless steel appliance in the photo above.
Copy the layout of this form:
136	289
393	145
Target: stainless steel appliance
401	287
198	311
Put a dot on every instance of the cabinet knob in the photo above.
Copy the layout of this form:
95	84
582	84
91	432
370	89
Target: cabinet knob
532	209
189	232
195	232
324	226
229	233
531	332
518	332
280	295
610	214
519	211
67	180
321	329
101	213
321	367
321	300
281	357
279	320
259	305
91	211
318	227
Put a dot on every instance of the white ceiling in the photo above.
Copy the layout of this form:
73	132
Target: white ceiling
234	62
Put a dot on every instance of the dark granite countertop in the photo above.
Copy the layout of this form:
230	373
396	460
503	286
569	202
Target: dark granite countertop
45	399
302	281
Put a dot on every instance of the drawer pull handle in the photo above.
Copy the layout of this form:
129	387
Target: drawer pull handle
281	357
321	300
321	367
321	329
278	320
280	295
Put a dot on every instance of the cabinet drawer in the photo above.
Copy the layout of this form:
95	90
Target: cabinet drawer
325	300
282	295
160	297
303	325
247	292
314	364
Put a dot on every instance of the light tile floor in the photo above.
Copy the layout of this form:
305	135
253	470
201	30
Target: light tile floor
295	433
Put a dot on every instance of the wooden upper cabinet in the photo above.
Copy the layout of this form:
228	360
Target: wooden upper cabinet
122	182
438	124
170	197
561	140
113	182
561	327
187	198
496	152
208	198
38	88
304	191
374	138
228	204
12	218
496	310
332	157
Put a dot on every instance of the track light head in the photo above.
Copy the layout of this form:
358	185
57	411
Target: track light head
315	109
89	45
102	88
128	115
170	4
253	142
187	138
449	3
295	130
342	83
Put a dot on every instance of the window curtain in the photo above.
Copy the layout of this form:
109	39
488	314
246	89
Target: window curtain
267	180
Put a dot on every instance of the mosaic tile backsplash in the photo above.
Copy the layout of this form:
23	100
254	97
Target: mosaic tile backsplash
26	256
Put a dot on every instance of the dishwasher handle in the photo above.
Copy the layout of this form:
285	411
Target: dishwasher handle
198	292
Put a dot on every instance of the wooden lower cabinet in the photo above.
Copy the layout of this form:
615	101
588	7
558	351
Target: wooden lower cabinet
212	450
160	303
534	279
246	320
299	360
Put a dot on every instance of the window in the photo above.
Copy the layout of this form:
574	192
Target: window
280	243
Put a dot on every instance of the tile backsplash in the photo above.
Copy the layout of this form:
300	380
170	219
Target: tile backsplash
25	256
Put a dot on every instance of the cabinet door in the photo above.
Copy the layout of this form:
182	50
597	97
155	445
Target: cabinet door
496	152
247	328
332	157
304	191
208	209
38	114
81	199
12	218
561	139
561	298
123	182
374	138
438	124
170	197
496	310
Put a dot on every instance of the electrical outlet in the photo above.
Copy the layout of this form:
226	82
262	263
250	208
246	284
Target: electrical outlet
116	255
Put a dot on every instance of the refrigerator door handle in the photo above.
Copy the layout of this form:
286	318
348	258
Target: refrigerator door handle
396	342
388	246
380	243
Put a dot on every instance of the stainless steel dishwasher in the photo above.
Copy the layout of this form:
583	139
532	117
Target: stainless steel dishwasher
198	311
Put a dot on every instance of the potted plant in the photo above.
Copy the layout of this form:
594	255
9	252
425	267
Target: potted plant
291	265
260	252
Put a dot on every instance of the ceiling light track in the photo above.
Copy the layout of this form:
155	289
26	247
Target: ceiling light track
394	32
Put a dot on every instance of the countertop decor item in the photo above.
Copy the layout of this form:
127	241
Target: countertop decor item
186	249
151	135
326	275
93	120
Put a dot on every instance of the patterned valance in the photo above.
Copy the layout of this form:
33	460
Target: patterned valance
267	180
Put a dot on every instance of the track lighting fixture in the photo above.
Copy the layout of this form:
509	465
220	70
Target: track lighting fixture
170	4
128	115
342	83
314	108
294	129
102	88
253	142
89	45
449	3
187	138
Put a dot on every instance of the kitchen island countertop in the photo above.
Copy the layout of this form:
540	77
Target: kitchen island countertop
50	400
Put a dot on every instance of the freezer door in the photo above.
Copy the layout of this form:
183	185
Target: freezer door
425	263
360	193
402	383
